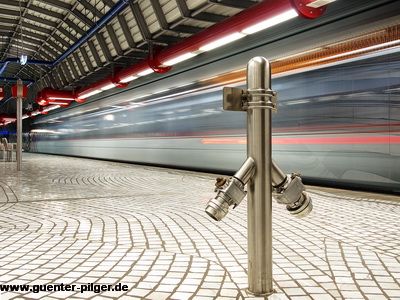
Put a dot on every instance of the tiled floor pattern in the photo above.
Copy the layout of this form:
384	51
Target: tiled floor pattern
79	221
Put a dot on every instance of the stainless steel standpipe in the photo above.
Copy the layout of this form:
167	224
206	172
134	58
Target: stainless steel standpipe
262	175
259	189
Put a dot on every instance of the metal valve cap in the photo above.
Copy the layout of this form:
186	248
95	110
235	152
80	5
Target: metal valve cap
217	208
302	210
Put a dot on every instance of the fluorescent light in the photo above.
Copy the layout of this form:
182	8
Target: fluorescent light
128	79
58	102
179	59
319	3
107	87
53	107
61	98
145	72
223	41
25	117
271	22
89	94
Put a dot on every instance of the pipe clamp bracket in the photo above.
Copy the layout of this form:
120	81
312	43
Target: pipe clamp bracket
238	99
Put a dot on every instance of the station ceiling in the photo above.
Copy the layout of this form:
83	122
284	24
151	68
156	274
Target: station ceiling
50	32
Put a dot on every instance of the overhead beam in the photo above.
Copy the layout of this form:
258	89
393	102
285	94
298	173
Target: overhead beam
140	21
7	28
61	41
39	36
40	20
67	34
59	4
92	9
55	46
103	46
34	27
207	17
79	63
95	54
126	31
46	12
109	3
114	40
60	72
66	72
83	18
160	16
183	8
87	60
10	12
48	82
75	27
72	66
241	4
55	76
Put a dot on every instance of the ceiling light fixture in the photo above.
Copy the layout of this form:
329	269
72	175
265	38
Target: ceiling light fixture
222	41
128	79
107	87
179	59
145	72
89	94
290	14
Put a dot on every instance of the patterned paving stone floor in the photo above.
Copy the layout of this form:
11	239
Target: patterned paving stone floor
71	226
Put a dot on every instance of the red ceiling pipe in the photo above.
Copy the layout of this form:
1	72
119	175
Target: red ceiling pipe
249	17
97	87
7	118
51	94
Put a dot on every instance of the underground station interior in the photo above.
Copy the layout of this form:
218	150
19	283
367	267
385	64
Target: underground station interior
200	149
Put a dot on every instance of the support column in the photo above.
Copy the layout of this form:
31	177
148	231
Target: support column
19	127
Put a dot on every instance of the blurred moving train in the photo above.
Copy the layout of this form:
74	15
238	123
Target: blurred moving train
337	124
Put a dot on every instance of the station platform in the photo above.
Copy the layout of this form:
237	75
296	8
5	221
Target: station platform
72	227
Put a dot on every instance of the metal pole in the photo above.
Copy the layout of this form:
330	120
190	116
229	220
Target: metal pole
19	134
259	192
